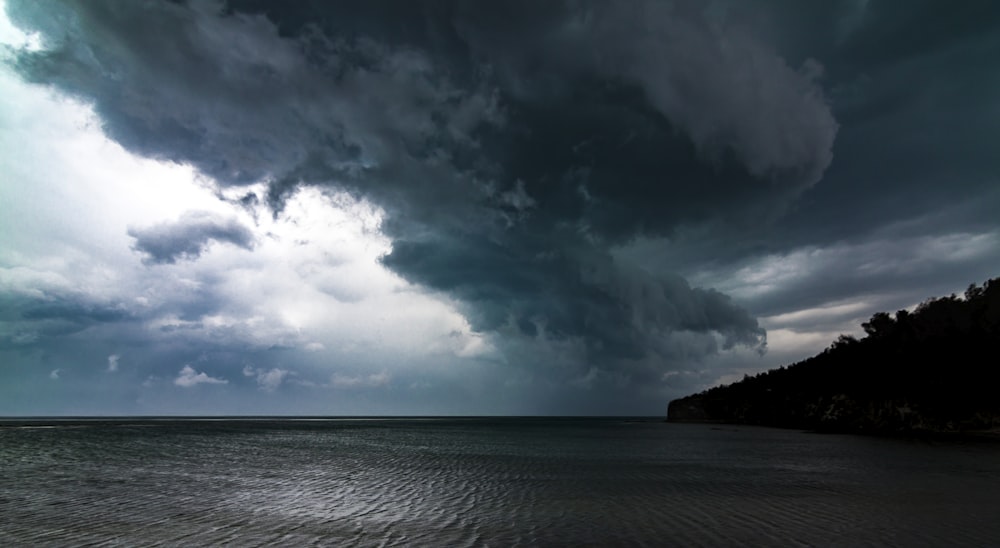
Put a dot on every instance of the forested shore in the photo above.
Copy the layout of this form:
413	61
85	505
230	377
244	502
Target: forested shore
933	370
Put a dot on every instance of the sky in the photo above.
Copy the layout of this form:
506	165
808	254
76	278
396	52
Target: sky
473	207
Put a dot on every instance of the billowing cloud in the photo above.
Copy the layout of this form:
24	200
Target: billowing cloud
705	72
562	207
188	236
518	238
189	377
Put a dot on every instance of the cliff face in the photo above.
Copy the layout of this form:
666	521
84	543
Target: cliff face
934	370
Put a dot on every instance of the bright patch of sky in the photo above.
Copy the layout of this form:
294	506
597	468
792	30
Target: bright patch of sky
311	281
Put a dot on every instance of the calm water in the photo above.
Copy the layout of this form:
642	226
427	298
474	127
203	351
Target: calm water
472	482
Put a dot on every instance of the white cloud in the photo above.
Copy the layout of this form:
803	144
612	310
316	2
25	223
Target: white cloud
267	379
15	37
54	375
270	380
113	363
313	280
825	314
188	377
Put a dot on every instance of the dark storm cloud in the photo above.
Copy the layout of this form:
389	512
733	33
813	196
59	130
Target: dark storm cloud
33	317
914	181
913	89
618	312
188	237
75	312
510	145
711	79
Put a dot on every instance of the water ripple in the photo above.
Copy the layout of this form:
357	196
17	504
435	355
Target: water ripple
489	482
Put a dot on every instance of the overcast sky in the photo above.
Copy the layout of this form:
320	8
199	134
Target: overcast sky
431	207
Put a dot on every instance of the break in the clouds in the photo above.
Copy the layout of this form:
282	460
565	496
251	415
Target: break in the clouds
419	207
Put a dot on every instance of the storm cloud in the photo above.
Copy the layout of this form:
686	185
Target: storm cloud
639	136
610	194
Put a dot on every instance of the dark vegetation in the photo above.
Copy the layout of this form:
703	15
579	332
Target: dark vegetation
936	369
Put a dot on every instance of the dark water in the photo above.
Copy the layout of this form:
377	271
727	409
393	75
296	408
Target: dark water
472	482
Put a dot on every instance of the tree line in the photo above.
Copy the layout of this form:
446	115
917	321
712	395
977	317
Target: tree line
935	369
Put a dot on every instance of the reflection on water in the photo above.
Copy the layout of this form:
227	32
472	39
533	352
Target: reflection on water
472	482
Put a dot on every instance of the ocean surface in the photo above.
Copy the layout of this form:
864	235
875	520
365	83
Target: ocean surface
484	482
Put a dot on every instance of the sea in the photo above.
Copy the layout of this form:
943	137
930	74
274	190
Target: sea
484	482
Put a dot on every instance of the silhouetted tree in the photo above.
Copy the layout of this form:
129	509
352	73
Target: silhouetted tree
880	325
935	368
